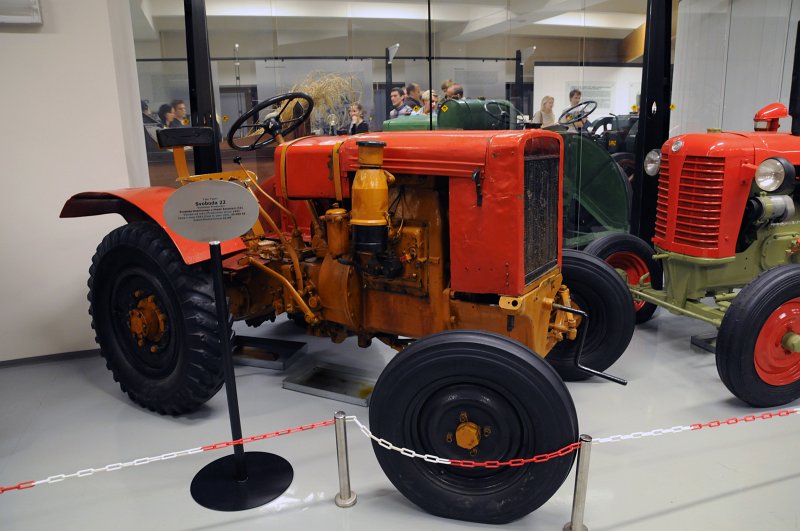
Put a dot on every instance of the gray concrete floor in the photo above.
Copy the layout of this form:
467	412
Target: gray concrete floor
64	415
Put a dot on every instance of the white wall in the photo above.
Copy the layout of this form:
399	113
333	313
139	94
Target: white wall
617	86
68	87
732	57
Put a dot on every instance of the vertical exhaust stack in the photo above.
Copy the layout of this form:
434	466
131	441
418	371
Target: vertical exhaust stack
794	94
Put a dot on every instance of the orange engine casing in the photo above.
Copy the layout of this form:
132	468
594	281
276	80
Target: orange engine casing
487	241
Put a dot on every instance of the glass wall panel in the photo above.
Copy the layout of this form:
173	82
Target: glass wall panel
505	54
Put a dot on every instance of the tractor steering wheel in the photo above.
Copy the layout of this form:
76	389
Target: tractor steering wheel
283	114
577	113
503	108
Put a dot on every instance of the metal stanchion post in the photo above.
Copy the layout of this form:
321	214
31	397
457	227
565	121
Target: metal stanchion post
345	498
581	481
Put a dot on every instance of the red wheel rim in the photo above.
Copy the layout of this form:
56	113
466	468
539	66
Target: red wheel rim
634	268
774	364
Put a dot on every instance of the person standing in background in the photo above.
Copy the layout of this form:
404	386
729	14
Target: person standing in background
413	97
357	123
429	99
574	100
166	114
544	115
399	108
455	92
446	84
179	107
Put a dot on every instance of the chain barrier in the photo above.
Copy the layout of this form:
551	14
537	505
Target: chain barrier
279	433
698	426
24	485
747	418
163	457
465	463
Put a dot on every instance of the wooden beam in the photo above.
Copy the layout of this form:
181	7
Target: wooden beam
632	46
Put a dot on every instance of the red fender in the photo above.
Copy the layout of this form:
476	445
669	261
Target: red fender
142	204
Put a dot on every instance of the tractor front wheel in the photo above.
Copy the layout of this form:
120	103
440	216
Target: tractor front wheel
155	320
473	396
758	346
599	291
632	257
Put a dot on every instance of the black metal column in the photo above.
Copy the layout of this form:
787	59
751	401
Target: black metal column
519	103
388	83
653	112
201	93
518	100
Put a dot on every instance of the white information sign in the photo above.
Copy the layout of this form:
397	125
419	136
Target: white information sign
211	211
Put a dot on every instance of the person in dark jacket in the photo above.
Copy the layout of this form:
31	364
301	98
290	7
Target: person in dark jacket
166	115
413	97
357	123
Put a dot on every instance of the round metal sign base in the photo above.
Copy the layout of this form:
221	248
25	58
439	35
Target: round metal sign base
216	487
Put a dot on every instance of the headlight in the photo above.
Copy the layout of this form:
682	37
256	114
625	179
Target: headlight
772	173
652	162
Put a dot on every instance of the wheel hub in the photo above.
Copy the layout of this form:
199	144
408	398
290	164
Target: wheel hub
633	269
791	342
146	320
777	350
468	435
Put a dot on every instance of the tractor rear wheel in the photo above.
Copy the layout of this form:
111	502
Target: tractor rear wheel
758	346
155	320
477	396
599	291
633	258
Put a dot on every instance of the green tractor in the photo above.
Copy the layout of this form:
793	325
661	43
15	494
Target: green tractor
596	190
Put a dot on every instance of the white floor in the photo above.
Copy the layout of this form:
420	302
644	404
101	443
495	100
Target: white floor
58	417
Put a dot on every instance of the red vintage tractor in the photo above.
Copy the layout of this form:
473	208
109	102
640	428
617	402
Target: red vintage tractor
450	238
727	237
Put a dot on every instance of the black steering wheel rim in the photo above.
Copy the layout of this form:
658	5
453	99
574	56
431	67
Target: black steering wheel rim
272	124
504	113
583	109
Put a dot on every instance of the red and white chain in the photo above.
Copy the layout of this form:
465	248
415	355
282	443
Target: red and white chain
541	458
389	446
404	451
694	427
163	457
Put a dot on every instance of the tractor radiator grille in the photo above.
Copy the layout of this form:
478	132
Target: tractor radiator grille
689	206
699	211
541	215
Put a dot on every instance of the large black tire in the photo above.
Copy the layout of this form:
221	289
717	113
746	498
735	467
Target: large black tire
155	320
442	381
751	360
633	258
599	291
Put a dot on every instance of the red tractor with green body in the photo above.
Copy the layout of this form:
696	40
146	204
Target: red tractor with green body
727	236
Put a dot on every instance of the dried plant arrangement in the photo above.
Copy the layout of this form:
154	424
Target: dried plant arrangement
332	94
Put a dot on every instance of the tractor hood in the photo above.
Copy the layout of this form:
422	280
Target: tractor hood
750	147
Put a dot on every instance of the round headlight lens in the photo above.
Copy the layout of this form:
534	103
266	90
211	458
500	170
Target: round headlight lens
652	162
770	175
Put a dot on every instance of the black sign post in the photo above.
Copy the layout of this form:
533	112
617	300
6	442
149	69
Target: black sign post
215	211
